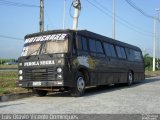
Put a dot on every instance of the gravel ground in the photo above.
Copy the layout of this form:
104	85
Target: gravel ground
141	98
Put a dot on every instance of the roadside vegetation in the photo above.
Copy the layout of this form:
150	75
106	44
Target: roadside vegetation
8	83
148	66
8	79
8	63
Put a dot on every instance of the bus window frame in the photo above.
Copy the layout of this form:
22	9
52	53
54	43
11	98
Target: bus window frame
81	51
95	53
122	58
114	57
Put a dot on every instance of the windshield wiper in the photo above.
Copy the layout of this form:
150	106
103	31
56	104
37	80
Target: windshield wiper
43	49
28	56
40	50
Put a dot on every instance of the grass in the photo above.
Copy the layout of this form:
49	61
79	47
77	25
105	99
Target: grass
152	74
8	82
8	66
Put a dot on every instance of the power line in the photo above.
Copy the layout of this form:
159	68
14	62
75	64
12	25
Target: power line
100	9
140	10
16	4
122	23
122	19
10	37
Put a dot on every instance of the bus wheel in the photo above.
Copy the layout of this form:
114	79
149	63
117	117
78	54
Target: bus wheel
79	88
130	78
40	93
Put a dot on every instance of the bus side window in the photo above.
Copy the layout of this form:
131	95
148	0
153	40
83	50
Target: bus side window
99	49
79	43
82	47
130	54
112	50
137	56
121	52
84	44
92	47
109	49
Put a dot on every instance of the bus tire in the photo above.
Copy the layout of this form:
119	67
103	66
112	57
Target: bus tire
40	93
130	78
79	88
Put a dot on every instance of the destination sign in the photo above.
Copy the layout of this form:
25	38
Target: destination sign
37	63
52	37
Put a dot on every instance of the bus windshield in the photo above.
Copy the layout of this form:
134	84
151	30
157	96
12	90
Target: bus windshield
47	47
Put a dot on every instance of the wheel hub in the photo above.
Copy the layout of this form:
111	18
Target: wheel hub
80	84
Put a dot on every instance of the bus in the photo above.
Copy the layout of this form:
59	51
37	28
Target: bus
71	60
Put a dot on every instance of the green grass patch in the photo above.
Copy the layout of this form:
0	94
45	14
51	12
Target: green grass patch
8	66
8	80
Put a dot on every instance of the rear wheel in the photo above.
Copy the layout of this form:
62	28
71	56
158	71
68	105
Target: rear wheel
130	78
40	93
78	89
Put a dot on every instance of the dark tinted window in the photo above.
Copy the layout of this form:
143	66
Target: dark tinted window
84	43
109	49
92	45
112	51
118	49
121	52
137	55
79	43
130	54
134	55
99	47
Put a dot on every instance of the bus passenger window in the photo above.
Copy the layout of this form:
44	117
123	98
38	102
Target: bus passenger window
130	54
112	51
79	43
84	44
123	53
109	49
99	47
92	45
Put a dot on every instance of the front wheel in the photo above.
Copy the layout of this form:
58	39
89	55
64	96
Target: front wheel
130	78
78	89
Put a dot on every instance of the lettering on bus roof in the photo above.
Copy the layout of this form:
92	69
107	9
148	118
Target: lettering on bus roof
52	37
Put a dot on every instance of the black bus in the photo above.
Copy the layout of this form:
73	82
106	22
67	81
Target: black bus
74	59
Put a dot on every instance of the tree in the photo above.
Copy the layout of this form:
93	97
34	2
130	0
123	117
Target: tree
148	61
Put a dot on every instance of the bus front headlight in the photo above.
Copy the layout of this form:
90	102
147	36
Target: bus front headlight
59	70
20	77
20	72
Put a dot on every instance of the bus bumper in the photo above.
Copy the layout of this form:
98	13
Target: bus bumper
40	84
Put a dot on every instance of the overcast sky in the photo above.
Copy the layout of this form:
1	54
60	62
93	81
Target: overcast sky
131	26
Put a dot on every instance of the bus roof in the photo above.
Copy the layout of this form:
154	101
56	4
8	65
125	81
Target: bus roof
87	34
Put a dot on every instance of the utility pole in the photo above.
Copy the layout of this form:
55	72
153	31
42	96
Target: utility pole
154	45
158	27
41	22
77	5
113	20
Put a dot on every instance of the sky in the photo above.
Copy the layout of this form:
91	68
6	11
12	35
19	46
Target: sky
96	15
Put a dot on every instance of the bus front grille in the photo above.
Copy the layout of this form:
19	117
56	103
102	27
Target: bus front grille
39	74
